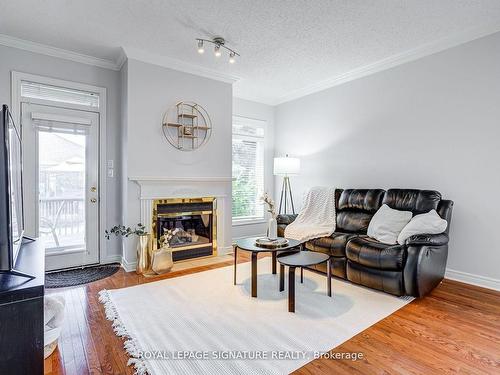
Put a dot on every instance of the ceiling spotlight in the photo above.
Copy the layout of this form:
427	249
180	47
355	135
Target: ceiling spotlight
217	51
219	45
200	46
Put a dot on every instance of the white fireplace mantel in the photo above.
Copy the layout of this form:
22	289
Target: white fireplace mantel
152	187
150	179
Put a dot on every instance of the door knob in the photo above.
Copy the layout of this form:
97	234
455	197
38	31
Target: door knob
93	189
93	200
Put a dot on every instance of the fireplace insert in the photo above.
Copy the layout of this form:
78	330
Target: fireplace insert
196	220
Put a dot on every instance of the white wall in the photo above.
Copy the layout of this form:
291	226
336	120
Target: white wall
430	124
29	62
151	90
258	111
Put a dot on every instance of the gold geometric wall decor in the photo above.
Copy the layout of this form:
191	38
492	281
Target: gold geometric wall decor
187	126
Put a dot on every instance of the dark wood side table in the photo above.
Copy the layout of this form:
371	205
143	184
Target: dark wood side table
301	259
21	313
248	244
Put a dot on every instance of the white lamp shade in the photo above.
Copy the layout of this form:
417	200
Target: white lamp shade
286	166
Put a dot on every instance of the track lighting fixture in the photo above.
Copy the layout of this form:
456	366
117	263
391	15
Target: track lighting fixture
219	45
200	47
217	51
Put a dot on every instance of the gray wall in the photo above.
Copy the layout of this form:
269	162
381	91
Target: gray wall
430	124
258	111
28	62
150	91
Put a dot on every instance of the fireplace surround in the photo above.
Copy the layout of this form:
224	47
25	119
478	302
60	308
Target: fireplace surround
196	219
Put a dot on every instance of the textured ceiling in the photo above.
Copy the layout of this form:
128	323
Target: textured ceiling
285	46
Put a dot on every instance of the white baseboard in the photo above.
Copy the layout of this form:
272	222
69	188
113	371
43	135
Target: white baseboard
112	259
128	266
224	250
469	278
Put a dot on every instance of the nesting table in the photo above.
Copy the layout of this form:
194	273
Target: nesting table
301	259
248	244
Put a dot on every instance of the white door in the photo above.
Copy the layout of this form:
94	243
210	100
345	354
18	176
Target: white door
61	185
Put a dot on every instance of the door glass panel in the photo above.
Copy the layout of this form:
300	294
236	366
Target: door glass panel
62	189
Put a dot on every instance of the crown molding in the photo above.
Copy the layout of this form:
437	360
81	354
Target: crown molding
171	63
391	61
44	49
122	58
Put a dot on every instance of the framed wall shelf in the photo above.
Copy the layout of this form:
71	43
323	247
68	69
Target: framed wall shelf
187	126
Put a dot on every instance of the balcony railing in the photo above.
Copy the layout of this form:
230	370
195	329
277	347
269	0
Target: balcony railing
62	221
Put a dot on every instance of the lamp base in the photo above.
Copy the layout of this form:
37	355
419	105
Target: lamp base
286	191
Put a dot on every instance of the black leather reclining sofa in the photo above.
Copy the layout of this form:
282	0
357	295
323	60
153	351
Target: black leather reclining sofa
414	268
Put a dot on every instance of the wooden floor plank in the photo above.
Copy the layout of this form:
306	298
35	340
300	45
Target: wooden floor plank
456	329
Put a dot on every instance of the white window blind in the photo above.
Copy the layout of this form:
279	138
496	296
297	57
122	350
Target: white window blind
35	90
47	122
248	169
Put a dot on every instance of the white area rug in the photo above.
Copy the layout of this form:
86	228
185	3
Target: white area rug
206	316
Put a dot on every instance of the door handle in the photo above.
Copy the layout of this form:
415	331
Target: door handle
93	200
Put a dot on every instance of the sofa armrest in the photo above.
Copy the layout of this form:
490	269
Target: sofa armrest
427	240
286	218
425	266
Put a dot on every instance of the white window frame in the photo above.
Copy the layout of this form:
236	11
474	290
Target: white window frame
16	100
257	123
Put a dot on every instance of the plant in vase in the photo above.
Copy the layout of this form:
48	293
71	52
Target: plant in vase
162	260
142	244
272	227
122	230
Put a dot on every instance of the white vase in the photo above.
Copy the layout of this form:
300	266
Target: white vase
272	229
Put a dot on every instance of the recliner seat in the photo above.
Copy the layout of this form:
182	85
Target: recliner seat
413	268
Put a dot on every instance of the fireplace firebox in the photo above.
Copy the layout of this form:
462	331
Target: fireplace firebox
196	220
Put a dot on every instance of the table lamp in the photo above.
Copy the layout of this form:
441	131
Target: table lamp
286	167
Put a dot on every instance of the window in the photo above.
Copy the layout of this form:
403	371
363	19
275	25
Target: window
33	90
248	169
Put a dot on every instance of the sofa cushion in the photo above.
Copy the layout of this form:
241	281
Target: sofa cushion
338	265
361	199
416	201
356	207
387	224
429	223
385	280
374	254
333	245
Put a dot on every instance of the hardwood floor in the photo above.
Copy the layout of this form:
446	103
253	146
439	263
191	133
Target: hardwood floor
456	329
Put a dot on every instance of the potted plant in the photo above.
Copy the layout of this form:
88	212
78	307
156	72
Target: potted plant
143	261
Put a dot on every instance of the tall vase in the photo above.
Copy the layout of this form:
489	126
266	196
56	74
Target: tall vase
272	229
142	254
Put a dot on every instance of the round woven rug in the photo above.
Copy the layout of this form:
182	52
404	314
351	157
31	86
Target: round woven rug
79	276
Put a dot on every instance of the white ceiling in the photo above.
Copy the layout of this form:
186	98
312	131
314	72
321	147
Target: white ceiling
288	47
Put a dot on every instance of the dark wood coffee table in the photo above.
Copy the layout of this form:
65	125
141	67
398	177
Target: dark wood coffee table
301	259
248	244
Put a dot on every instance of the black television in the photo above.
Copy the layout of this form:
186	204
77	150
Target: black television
11	194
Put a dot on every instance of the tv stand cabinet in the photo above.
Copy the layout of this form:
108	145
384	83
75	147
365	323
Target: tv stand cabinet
21	313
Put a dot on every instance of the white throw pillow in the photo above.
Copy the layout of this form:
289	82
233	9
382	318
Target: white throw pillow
387	223
429	223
